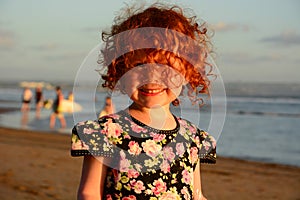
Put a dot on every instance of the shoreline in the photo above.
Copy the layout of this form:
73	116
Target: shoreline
243	149
38	165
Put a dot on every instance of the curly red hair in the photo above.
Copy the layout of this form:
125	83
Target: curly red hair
184	46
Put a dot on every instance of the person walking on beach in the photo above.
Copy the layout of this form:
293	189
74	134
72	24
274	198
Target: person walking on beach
108	107
25	108
57	112
71	96
144	151
26	99
39	101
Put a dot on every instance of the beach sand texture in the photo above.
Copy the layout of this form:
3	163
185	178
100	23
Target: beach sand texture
38	165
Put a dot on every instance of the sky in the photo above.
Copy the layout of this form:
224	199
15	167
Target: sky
254	40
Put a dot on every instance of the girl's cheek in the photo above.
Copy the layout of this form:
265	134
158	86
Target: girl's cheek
129	85
175	91
130	89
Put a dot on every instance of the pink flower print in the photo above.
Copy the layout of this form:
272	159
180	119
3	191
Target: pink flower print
151	148
185	193
127	136
138	186
76	145
168	153
182	130
132	173
108	197
130	197
165	167
89	131
136	128
134	148
194	154
138	167
206	145
116	175
197	140
186	177
157	137
159	187
124	163
111	130
213	141
204	134
193	129
180	149
122	155
183	123
169	196
79	144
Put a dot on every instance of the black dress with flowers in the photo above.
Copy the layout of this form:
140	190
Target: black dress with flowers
145	163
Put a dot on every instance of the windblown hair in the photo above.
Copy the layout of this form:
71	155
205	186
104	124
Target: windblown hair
184	45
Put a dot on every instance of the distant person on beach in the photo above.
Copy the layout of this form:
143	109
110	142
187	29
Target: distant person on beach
57	112
108	107
39	101
144	151
71	96
26	99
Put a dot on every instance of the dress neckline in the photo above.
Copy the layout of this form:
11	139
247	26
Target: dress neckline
151	129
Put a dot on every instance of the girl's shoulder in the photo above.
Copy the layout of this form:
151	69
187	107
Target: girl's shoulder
204	140
97	137
186	124
190	125
89	138
95	125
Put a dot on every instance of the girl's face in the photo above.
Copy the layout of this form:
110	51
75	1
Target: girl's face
152	85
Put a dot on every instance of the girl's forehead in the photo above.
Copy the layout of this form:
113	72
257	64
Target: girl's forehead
153	68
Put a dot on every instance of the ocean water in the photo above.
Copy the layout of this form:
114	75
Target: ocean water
262	121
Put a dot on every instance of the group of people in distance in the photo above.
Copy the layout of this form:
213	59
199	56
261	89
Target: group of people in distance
57	112
26	100
27	97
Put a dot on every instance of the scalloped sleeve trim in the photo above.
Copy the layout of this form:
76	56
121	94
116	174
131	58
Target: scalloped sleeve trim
87	139
207	148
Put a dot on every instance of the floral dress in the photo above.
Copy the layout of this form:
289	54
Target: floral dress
145	163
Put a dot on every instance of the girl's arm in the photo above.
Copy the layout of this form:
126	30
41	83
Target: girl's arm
197	184
92	179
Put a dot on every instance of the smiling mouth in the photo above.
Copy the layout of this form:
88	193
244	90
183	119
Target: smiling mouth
151	92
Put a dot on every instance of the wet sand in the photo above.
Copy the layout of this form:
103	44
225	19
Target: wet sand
5	110
38	165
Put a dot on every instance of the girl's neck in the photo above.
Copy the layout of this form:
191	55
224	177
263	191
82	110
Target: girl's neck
158	117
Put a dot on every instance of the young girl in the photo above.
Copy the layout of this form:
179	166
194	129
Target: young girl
144	151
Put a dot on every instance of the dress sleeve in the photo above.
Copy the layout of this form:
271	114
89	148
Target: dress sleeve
89	139
207	146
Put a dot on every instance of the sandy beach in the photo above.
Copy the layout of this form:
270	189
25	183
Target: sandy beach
38	165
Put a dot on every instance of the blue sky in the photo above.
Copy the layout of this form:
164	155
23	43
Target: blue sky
254	41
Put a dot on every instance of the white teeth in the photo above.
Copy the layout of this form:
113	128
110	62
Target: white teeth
153	91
